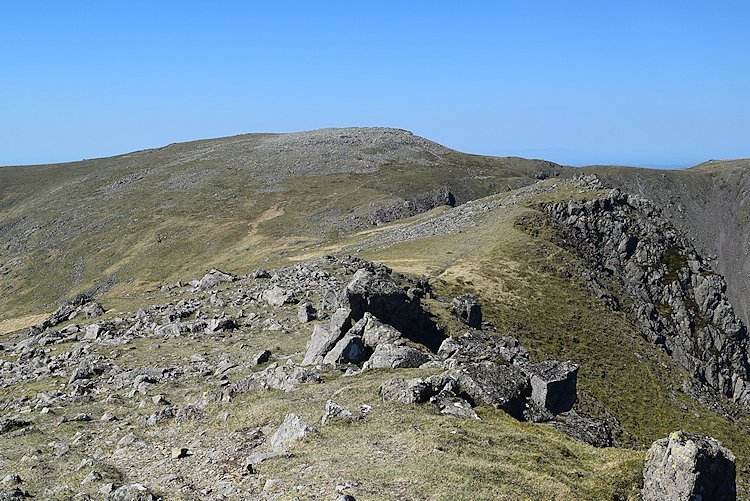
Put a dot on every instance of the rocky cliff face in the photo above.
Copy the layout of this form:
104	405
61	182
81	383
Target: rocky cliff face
710	203
677	300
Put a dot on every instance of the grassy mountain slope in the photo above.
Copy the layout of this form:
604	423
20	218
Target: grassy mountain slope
123	226
132	221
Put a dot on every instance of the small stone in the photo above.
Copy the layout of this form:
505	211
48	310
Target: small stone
159	399
291	430
262	357
92	477
11	479
180	452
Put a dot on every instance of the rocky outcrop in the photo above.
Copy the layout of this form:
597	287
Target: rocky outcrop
80	306
685	466
373	323
678	301
417	205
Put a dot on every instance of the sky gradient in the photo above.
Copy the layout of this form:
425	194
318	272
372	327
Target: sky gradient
663	84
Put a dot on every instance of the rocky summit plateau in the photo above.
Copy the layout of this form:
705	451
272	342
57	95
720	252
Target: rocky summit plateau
365	314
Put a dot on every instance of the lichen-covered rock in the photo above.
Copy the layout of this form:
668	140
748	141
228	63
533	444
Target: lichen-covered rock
479	346
335	412
416	391
396	356
685	466
131	492
584	428
274	377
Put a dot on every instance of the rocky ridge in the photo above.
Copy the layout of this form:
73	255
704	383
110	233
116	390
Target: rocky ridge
675	297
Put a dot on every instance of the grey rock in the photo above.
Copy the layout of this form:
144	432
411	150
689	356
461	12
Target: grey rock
261	357
260	273
686	467
375	332
393	356
416	391
334	412
501	386
15	494
451	405
478	346
214	278
468	309
93	476
11	479
348	350
12	424
131	492
222	323
584	428
321	342
553	385
276	296
292	430
273	377
306	312
92	332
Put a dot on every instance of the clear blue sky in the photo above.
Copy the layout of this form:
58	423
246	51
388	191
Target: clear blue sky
656	83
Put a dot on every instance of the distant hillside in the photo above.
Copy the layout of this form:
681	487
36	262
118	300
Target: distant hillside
138	219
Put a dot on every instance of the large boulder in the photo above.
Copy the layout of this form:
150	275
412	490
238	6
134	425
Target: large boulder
276	296
685	466
502	386
375	291
584	428
416	391
321	342
375	332
396	356
348	350
468	310
214	278
478	346
553	385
